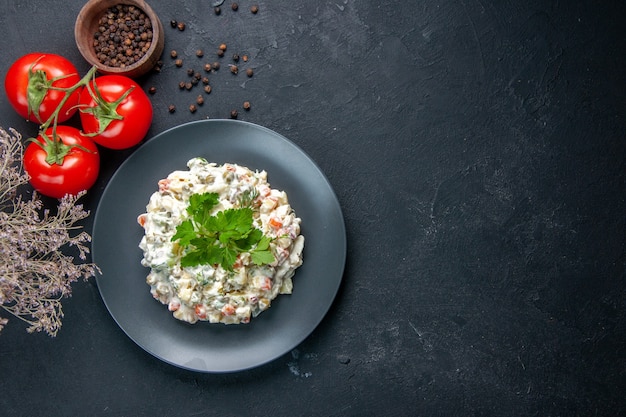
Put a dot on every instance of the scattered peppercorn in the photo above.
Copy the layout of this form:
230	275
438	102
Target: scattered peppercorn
208	67
173	23
234	6
181	26
152	90
123	37
254	9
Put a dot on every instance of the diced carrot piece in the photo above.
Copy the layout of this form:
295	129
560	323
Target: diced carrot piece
228	310
275	223
200	311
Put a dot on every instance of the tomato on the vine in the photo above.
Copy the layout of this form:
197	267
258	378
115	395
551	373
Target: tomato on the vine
67	164
115	111
31	85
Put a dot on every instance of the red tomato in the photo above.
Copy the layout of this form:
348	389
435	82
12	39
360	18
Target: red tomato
28	81
115	111
74	168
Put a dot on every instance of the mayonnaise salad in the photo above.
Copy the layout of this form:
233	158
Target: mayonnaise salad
211	292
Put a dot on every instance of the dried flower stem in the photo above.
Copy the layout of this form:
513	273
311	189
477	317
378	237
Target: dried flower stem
36	271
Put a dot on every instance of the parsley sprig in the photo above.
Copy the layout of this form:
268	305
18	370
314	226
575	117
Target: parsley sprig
218	239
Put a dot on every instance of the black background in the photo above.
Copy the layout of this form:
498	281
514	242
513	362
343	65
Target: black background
477	150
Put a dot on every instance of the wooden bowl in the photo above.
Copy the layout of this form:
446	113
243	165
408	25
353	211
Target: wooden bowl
87	24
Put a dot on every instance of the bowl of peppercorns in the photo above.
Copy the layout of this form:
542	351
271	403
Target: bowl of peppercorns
123	37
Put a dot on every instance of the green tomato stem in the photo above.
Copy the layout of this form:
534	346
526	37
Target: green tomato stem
56	150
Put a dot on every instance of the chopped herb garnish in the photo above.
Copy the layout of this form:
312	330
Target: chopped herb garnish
247	197
218	239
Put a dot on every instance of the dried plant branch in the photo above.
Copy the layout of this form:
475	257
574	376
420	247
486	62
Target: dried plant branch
36	272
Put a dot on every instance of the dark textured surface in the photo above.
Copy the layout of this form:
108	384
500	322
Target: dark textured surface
477	150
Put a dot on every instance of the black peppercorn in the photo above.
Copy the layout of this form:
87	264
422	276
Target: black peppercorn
173	54
178	63
207	89
254	9
171	108
249	72
188	85
199	53
220	53
205	80
173	23
192	108
200	100
216	65
236	57
152	90
234	69
233	114
207	67
246	105
114	44
190	71
234	6
217	10
181	26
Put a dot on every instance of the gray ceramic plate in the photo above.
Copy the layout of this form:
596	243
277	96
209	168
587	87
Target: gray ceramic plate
206	347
